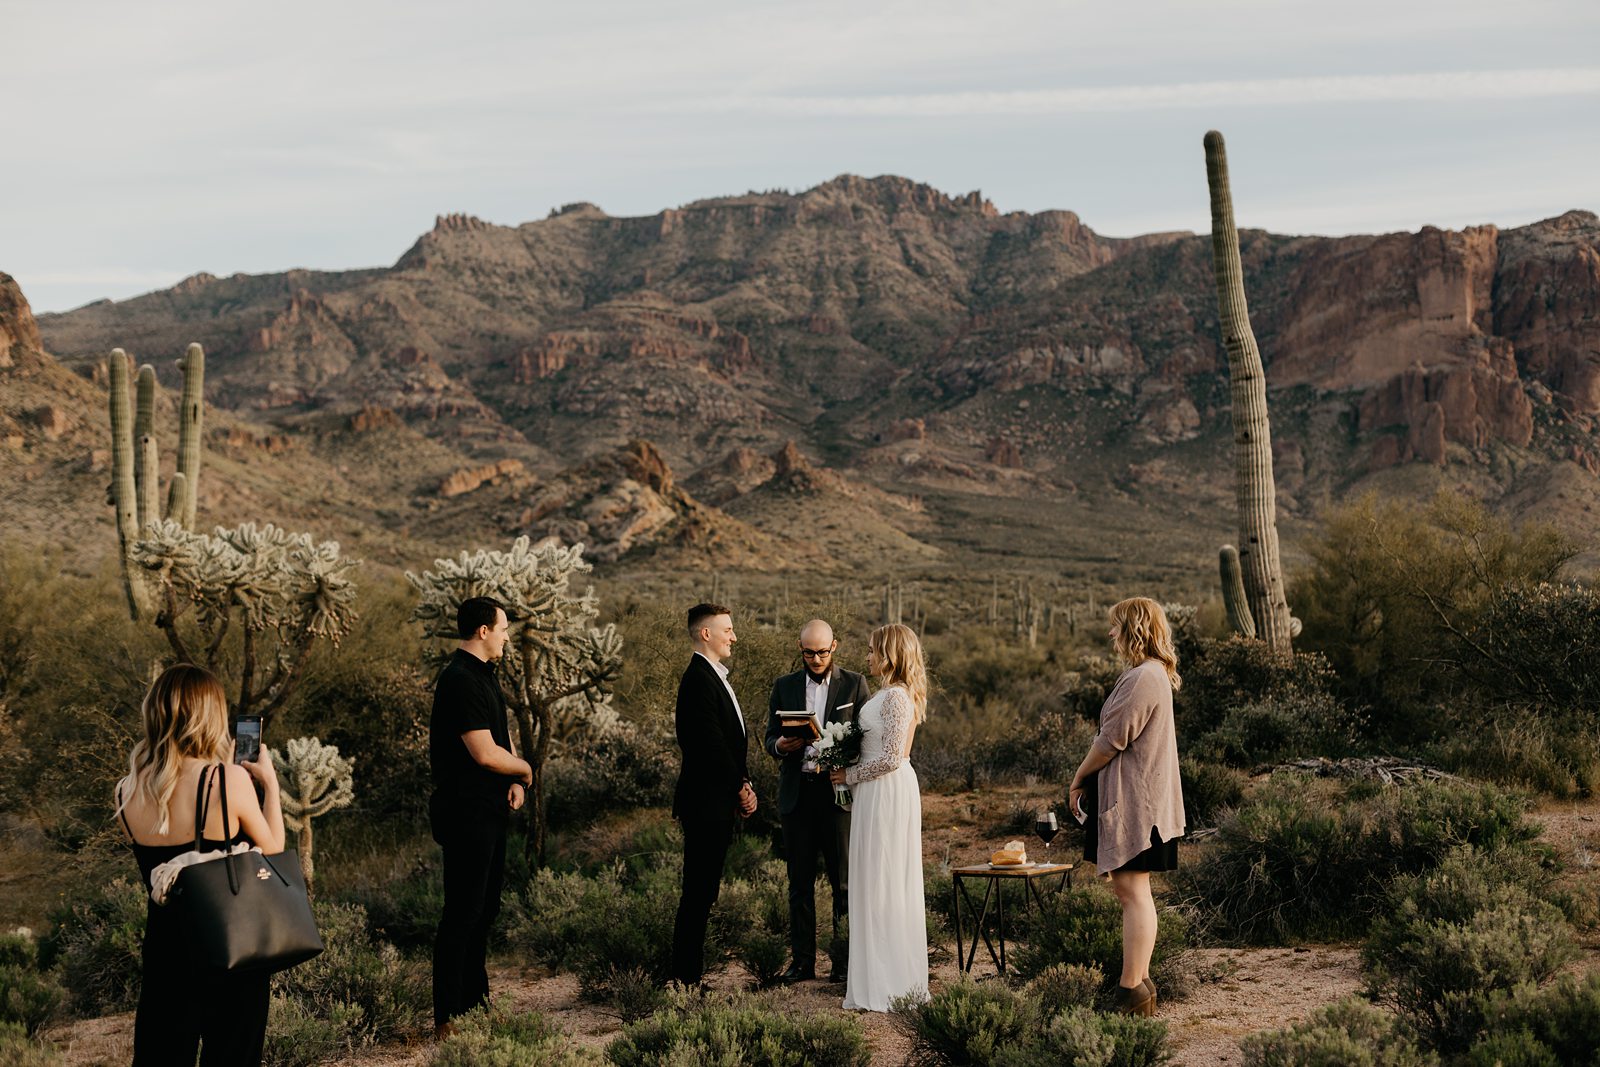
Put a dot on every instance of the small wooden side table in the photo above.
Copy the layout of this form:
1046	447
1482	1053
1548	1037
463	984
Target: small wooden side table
994	878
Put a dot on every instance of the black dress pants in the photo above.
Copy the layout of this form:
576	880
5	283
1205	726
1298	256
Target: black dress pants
815	826
185	1008
705	850
474	869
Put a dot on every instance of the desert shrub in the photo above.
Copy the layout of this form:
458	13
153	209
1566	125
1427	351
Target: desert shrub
1220	677
1454	934
19	949
1209	789
298	1037
18	1049
1303	860
1066	985
752	919
966	1022
486	1037
403	907
692	1030
95	942
600	925
363	984
1518	747
1557	1024
29	998
1350	1033
635	993
1084	927
627	769
1082	1037
1392	588
1279	727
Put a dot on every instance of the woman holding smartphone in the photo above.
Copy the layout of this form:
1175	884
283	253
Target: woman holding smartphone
171	774
1127	792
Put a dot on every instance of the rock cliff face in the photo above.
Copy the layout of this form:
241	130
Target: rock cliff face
909	336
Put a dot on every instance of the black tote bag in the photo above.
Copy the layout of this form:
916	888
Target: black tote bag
246	912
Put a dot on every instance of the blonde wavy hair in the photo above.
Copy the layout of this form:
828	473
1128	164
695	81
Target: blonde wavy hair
185	715
901	653
1144	633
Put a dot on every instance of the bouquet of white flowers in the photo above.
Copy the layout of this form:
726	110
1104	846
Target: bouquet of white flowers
839	747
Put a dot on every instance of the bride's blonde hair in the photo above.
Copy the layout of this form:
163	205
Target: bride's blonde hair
1144	633
185	715
897	646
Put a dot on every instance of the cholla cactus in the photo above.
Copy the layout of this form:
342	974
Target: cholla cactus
557	662
285	589
135	463
315	781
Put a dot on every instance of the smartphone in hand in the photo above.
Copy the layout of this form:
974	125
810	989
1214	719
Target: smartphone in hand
247	739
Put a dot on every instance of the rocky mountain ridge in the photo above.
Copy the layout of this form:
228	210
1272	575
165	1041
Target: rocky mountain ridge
910	343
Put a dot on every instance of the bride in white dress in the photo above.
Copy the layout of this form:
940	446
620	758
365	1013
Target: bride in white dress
888	930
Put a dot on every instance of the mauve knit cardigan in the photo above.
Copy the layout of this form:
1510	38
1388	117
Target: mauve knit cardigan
1139	788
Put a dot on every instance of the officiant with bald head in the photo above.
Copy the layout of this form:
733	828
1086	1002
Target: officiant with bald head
813	825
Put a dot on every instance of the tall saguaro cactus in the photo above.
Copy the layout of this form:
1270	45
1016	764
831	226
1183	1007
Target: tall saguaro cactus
1234	599
135	462
1252	432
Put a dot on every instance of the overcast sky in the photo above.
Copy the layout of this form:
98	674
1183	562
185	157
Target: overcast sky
147	141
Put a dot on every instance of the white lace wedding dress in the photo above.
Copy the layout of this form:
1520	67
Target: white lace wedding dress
888	930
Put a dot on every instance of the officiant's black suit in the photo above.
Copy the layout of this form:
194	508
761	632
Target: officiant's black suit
706	803
812	822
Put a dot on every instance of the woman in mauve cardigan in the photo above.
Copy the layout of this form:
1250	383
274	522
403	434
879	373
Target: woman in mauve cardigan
1127	787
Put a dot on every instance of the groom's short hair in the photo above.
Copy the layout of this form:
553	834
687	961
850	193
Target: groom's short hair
701	612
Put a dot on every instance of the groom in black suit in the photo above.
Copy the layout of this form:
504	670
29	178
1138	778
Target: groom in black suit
812	822
714	788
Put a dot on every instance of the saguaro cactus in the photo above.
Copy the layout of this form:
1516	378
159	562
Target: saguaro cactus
1252	432
135	463
1233	595
315	781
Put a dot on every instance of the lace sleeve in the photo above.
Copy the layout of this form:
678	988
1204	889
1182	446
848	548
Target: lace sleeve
897	711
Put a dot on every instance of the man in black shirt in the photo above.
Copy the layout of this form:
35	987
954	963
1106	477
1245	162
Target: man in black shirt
477	783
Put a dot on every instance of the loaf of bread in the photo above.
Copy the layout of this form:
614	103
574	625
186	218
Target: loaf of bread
1011	854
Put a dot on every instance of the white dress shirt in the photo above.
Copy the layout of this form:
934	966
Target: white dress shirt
722	672
817	705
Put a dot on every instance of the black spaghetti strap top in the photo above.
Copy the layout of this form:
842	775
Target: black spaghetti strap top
149	857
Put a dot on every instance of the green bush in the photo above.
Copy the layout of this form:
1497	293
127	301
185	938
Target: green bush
1517	1048
631	769
1221	677
635	993
29	998
1067	985
966	1022
297	1037
95	943
694	1031
1084	927
19	950
1350	1033
752	919
1209	789
1305	860
1563	1018
365	985
1278	727
1082	1037
18	1049
490	1038
1450	937
402	908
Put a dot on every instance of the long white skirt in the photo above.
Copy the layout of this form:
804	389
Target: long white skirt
888	928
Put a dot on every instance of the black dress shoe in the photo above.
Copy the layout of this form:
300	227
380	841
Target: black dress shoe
797	974
837	975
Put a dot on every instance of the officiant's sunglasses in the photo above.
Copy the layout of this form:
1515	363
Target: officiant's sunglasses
816	653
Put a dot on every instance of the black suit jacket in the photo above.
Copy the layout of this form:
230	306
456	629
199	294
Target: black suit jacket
847	691
714	746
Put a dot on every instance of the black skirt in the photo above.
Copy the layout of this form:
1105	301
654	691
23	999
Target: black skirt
1160	856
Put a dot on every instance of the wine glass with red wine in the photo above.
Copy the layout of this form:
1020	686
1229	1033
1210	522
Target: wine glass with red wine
1045	826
